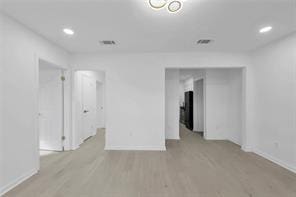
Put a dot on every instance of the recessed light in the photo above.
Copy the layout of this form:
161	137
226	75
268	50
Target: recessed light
68	31
174	6
265	29
157	4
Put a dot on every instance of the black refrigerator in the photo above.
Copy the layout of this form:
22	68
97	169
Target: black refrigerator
189	110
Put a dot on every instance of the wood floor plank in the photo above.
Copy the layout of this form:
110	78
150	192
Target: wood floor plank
191	167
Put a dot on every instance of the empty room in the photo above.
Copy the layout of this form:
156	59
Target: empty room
147	98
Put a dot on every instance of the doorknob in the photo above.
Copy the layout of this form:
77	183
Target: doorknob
85	111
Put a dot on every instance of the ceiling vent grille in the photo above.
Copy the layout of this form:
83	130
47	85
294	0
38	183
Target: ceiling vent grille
107	42
204	41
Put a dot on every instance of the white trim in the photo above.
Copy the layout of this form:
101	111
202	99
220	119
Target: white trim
247	149
234	141
275	160
17	181
133	148
173	138
75	147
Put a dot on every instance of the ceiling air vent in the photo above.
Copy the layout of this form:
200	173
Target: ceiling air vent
204	41
107	42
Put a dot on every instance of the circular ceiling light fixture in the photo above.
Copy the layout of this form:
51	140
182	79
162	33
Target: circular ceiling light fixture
174	6
157	4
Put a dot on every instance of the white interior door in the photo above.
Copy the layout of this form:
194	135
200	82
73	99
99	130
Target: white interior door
89	106
50	109
100	105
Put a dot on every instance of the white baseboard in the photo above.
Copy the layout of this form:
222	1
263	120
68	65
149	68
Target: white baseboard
75	147
17	181
131	148
246	149
275	160
172	138
234	141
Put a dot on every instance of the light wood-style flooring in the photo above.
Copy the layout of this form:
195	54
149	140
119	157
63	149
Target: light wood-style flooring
191	167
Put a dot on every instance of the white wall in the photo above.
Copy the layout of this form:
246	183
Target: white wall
224	104
1	100
217	105
97	75
181	93
190	76
236	102
274	108
172	108
188	84
20	101
198	105
135	92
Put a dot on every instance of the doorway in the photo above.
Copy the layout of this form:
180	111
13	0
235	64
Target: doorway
218	103
51	108
188	109
88	109
191	99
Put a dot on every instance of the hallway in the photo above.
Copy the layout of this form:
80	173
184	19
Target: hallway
190	167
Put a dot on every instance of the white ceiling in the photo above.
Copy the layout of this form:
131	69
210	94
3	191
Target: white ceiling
233	24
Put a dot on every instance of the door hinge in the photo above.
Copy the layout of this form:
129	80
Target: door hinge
63	78
63	138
